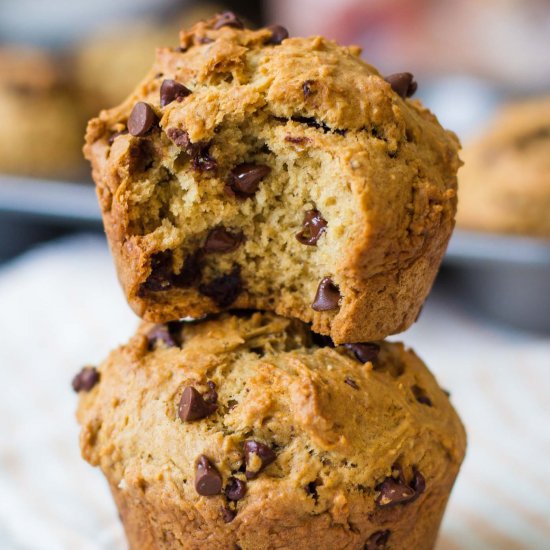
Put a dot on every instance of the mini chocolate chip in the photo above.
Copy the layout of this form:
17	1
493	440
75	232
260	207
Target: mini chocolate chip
228	19
170	90
327	296
208	481
393	492
211	396
402	84
193	407
224	290
86	379
420	395
418	483
278	34
228	515
111	140
378	540
307	88
161	270
245	178
203	162
222	240
235	489
160	333
314	225
262	451
351	382
142	119
365	352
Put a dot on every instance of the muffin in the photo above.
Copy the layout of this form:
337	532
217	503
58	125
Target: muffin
249	431
252	170
42	122
505	183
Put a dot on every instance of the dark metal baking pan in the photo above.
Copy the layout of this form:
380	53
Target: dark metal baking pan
506	277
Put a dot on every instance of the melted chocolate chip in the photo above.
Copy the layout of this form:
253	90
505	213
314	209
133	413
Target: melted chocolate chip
222	240
193	407
235	489
327	296
208	481
402	84
228	515
228	19
245	178
111	140
142	119
307	88
378	540
203	162
321	340
278	34
262	451
190	272
420	395
160	333
86	379
365	352
225	289
394	490
351	382
181	139
314	225
170	90
141	156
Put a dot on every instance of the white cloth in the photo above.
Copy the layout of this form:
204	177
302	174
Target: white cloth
61	308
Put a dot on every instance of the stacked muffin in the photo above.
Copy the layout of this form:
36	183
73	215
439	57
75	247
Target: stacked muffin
296	205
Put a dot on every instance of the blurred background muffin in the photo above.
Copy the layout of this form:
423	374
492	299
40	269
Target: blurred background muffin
42	118
505	181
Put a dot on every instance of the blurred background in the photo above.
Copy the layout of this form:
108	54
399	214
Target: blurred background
485	331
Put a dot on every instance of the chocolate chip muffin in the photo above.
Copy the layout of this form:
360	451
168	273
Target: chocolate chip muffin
505	184
249	431
253	170
42	123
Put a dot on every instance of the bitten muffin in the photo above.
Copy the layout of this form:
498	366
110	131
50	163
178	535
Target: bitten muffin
505	184
248	431
42	124
251	170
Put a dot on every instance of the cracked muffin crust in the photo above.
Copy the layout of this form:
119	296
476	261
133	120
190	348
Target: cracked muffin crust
505	185
250	170
249	431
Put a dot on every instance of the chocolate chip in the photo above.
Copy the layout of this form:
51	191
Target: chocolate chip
228	19
208	481
262	451
311	490
228	515
225	289
378	540
141	156
314	225
190	272
193	407
211	396
300	140
142	119
402	84
420	395
307	88
327	296
351	382
161	271
181	139
160	333
235	489
365	352
111	140
203	162
86	379
245	178
278	34
170	90
222	240
394	490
